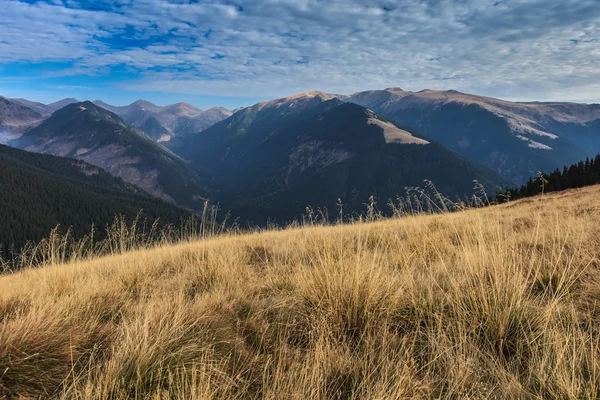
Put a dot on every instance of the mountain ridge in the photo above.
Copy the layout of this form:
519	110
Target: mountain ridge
273	159
100	137
514	139
165	123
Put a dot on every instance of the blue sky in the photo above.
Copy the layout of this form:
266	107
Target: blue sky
236	52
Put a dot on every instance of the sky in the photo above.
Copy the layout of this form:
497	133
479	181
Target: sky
234	53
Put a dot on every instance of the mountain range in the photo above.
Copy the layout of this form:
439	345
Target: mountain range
168	123
514	139
272	159
99	137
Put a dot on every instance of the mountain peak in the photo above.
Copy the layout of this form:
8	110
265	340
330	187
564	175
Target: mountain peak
181	109
145	104
219	108
295	100
183	104
86	109
142	101
311	94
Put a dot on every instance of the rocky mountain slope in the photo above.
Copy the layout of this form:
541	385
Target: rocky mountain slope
41	108
166	123
275	158
99	137
515	139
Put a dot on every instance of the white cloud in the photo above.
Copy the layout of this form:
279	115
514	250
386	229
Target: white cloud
519	49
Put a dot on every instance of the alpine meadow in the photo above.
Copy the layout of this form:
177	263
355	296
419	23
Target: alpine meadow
299	200
495	302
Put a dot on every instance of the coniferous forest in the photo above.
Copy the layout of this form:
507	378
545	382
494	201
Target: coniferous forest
39	192
583	173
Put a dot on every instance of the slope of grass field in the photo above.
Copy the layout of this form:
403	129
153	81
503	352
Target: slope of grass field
499	302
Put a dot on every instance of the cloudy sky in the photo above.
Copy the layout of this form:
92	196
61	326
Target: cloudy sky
235	52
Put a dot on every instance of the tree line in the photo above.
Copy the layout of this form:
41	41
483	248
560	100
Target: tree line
583	173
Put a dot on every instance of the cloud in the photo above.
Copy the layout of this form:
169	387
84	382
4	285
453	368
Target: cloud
513	48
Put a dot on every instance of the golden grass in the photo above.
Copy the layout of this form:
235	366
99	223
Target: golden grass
499	302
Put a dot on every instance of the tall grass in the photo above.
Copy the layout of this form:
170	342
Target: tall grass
120	236
123	235
495	302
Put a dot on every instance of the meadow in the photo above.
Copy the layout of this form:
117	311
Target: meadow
495	302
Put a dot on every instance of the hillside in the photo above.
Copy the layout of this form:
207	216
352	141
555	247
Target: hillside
272	160
41	191
514	139
499	302
99	137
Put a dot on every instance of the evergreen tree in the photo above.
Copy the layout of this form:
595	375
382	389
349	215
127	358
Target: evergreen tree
583	173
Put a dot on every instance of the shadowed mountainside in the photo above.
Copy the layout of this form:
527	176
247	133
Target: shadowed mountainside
41	191
274	159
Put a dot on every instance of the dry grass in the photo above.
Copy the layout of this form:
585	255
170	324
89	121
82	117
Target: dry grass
500	302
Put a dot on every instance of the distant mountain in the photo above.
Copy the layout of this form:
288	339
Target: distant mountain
139	114
40	191
275	158
41	108
515	139
106	106
15	118
62	103
99	137
170	115
165	123
184	126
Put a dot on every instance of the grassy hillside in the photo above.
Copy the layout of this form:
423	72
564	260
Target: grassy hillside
500	302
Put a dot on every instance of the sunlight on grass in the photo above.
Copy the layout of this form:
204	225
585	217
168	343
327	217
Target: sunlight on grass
495	302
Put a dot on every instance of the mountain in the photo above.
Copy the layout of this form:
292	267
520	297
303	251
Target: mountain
275	158
41	108
40	191
139	114
62	103
171	114
15	118
163	124
106	106
99	137
515	139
